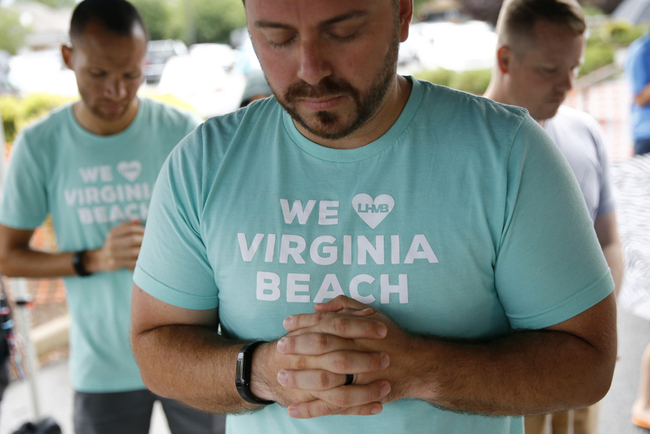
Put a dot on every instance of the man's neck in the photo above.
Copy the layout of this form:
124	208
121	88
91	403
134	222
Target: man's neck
376	127
497	93
100	127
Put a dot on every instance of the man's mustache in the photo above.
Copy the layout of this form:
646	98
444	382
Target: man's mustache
327	87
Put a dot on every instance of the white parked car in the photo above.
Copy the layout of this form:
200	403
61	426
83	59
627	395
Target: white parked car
201	79
41	71
458	47
158	53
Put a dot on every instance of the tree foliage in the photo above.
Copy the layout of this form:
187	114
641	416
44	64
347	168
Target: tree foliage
12	33
213	20
606	6
488	10
54	3
156	15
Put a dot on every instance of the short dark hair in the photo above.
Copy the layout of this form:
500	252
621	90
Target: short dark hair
117	16
517	18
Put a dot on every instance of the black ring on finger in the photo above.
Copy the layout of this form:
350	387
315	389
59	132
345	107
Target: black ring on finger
349	379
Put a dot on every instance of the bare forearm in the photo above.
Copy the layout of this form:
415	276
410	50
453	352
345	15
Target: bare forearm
35	264
527	373
192	365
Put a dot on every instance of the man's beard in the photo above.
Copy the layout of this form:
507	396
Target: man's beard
325	124
107	117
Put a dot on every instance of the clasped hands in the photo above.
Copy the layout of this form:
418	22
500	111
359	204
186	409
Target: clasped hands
312	361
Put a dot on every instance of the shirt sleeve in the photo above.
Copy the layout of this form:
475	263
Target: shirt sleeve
24	203
549	264
173	264
606	202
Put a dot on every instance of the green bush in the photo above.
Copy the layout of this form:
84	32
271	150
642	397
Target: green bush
591	10
36	105
171	100
475	82
10	109
437	76
12	33
622	33
19	112
596	56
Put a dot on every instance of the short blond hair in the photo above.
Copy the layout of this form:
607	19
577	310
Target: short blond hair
517	19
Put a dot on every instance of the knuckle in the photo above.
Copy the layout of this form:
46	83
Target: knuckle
316	410
319	317
301	363
320	342
324	380
340	325
341	362
340	399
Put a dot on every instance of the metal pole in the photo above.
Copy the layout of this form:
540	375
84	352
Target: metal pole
22	299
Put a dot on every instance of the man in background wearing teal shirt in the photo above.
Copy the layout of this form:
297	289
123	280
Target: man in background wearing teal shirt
440	237
92	165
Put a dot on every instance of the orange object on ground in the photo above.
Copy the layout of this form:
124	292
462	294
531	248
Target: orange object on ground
642	423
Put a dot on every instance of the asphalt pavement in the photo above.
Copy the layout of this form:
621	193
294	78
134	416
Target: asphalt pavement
55	398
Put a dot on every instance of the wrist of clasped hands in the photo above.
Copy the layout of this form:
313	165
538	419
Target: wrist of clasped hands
323	349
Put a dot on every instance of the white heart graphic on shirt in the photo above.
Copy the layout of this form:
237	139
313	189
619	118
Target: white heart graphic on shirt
371	211
129	169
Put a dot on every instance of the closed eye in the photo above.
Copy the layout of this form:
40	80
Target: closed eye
345	38
283	44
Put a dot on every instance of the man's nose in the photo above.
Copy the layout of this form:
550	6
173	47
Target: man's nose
566	81
314	63
115	88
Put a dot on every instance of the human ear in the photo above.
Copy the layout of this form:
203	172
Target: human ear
405	16
66	53
504	58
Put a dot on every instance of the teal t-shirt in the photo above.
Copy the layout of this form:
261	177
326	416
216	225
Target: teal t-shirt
462	221
90	183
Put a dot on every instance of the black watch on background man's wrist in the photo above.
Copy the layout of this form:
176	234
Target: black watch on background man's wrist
243	375
78	264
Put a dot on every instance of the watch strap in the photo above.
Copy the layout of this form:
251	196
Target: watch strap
78	264
243	375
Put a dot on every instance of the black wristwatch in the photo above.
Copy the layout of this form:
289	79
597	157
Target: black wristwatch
78	264
243	375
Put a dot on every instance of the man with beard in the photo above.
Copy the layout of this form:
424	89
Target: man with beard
91	165
539	51
426	250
